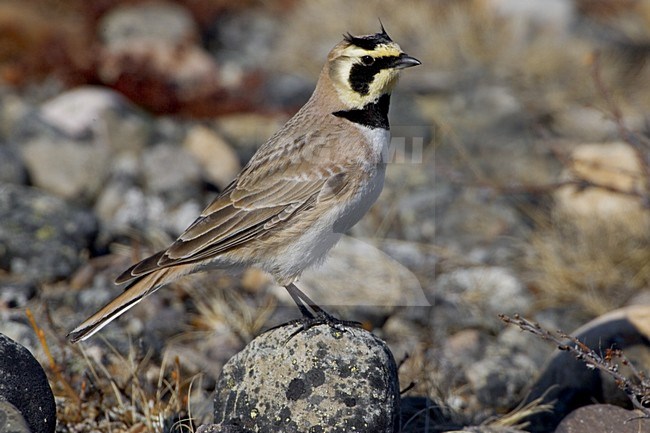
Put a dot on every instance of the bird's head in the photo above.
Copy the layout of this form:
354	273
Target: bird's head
363	68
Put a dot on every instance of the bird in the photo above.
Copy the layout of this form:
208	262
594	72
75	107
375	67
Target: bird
306	186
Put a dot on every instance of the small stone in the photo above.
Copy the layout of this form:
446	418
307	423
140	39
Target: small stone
487	429
247	132
69	169
498	380
123	207
24	385
474	218
219	162
11	420
615	165
160	76
214	428
245	39
99	112
362	279
587	123
604	418
68	144
555	15
324	378
15	294
168	168
476	296
12	169
157	20
41	236
465	346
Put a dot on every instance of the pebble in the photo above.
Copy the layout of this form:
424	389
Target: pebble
74	135
12	169
476	296
244	39
498	379
101	114
156	20
361	281
613	164
171	170
42	237
69	169
604	418
219	162
11	420
247	132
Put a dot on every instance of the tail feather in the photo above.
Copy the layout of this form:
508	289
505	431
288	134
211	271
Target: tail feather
133	294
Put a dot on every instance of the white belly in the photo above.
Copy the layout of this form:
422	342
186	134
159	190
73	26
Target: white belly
312	246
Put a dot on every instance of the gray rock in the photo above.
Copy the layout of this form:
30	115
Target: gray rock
219	162
24	385
122	207
244	40
68	144
15	294
474	218
247	132
363	281
320	379
67	168
498	380
604	418
487	429
12	108
41	237
214	428
170	170
476	296
12	169
11	420
158	20
92	111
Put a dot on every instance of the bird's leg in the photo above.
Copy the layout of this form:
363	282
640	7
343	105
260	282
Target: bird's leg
318	316
303	301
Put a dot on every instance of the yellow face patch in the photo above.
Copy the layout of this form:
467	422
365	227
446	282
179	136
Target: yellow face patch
361	76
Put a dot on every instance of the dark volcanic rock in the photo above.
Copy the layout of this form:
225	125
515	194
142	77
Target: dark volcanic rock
23	384
569	384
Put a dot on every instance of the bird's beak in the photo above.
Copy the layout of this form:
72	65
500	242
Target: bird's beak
406	61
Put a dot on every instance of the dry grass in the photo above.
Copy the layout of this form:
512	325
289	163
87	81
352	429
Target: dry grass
106	391
596	265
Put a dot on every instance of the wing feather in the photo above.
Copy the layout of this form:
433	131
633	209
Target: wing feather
263	196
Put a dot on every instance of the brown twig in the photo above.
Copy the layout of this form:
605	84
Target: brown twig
40	334
639	393
639	143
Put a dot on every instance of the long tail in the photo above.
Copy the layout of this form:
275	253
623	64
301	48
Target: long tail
133	294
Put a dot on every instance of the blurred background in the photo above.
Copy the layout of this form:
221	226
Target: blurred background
522	186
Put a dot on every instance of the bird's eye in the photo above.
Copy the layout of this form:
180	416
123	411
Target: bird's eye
367	60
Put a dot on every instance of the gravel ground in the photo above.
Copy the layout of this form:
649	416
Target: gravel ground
518	185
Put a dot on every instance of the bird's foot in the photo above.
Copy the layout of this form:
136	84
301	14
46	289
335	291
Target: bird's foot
322	318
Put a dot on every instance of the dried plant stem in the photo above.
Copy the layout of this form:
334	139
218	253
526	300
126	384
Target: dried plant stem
40	334
639	393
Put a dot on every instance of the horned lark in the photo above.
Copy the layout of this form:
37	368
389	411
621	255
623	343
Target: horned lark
308	184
